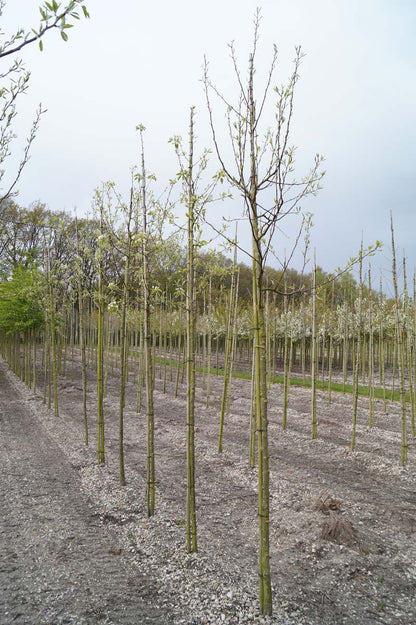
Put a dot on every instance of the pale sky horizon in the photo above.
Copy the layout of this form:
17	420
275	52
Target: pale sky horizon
142	63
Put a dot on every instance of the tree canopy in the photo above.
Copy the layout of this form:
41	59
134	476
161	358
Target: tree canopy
21	301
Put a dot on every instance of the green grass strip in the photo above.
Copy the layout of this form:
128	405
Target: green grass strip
337	387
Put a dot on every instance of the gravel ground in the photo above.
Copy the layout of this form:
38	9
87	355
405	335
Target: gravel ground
57	563
343	524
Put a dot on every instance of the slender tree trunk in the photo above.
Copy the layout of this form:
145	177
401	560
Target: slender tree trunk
253	424
357	352
331	348
123	340
286	364
191	527
52	334
230	325
34	354
260	369
142	367
209	342
400	352
82	341
100	359
179	352
382	348
313	354
371	422
149	363
409	322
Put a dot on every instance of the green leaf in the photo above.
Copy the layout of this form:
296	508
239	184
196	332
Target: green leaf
41	45
64	35
86	14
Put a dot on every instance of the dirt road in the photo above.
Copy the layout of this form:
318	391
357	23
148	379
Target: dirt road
57	564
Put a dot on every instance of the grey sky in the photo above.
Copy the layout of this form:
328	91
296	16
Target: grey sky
142	63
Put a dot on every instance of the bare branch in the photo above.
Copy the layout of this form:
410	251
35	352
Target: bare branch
25	157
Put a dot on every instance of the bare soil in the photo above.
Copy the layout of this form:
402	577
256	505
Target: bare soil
343	524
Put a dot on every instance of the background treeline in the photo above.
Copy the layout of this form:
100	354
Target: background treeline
51	266
28	235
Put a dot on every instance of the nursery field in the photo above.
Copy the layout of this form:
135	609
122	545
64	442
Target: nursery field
342	524
199	423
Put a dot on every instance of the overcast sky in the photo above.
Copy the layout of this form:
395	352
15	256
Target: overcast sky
141	62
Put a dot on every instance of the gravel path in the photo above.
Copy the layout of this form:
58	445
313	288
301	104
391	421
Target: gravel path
57	564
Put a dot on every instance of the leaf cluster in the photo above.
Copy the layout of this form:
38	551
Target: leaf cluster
53	15
21	301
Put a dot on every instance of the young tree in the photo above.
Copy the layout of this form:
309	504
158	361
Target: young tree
57	279
149	360
22	301
400	329
191	314
123	329
99	199
229	342
263	173
195	201
82	334
313	354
